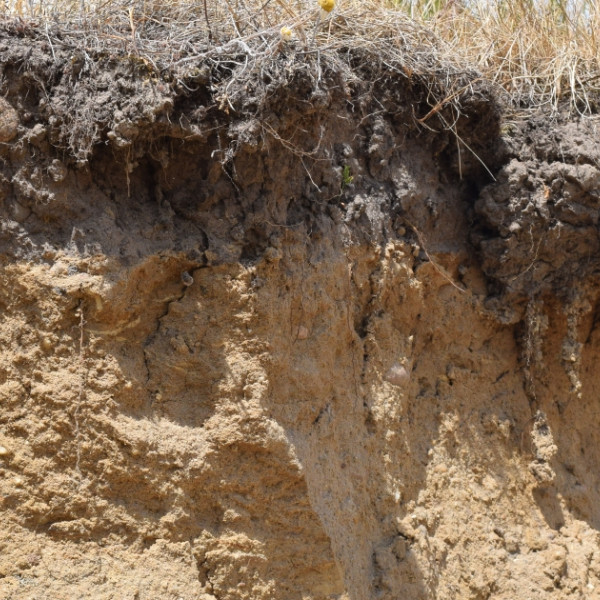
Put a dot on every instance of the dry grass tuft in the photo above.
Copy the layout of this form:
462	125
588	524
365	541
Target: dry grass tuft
541	53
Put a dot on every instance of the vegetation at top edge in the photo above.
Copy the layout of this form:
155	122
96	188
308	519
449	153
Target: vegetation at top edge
540	52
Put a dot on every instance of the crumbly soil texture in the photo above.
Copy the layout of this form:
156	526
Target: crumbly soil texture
305	326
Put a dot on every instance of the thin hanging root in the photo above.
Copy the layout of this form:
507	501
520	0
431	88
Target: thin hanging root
437	267
452	128
440	104
81	394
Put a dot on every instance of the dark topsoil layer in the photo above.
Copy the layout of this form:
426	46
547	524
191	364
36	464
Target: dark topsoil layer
218	158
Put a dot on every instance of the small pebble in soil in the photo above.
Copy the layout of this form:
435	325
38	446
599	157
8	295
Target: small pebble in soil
397	375
302	333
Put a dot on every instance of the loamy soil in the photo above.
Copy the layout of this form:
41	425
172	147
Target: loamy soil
292	331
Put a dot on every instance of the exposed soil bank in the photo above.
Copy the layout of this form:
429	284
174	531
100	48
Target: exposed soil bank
292	332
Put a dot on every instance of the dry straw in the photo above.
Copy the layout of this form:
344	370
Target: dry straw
541	53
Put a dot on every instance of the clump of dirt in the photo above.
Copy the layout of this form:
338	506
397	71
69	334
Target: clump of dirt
540	234
271	331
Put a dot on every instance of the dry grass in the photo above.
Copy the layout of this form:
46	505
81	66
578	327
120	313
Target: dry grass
539	51
542	53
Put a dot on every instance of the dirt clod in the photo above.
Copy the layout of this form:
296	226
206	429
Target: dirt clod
9	122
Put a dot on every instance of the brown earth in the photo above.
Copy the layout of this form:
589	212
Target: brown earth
273	335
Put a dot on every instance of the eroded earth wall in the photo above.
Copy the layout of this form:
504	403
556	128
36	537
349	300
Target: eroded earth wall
289	339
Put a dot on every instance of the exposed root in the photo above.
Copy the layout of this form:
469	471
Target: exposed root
571	346
83	371
536	323
435	265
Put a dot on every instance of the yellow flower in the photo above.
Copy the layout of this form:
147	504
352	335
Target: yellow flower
286	34
327	5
